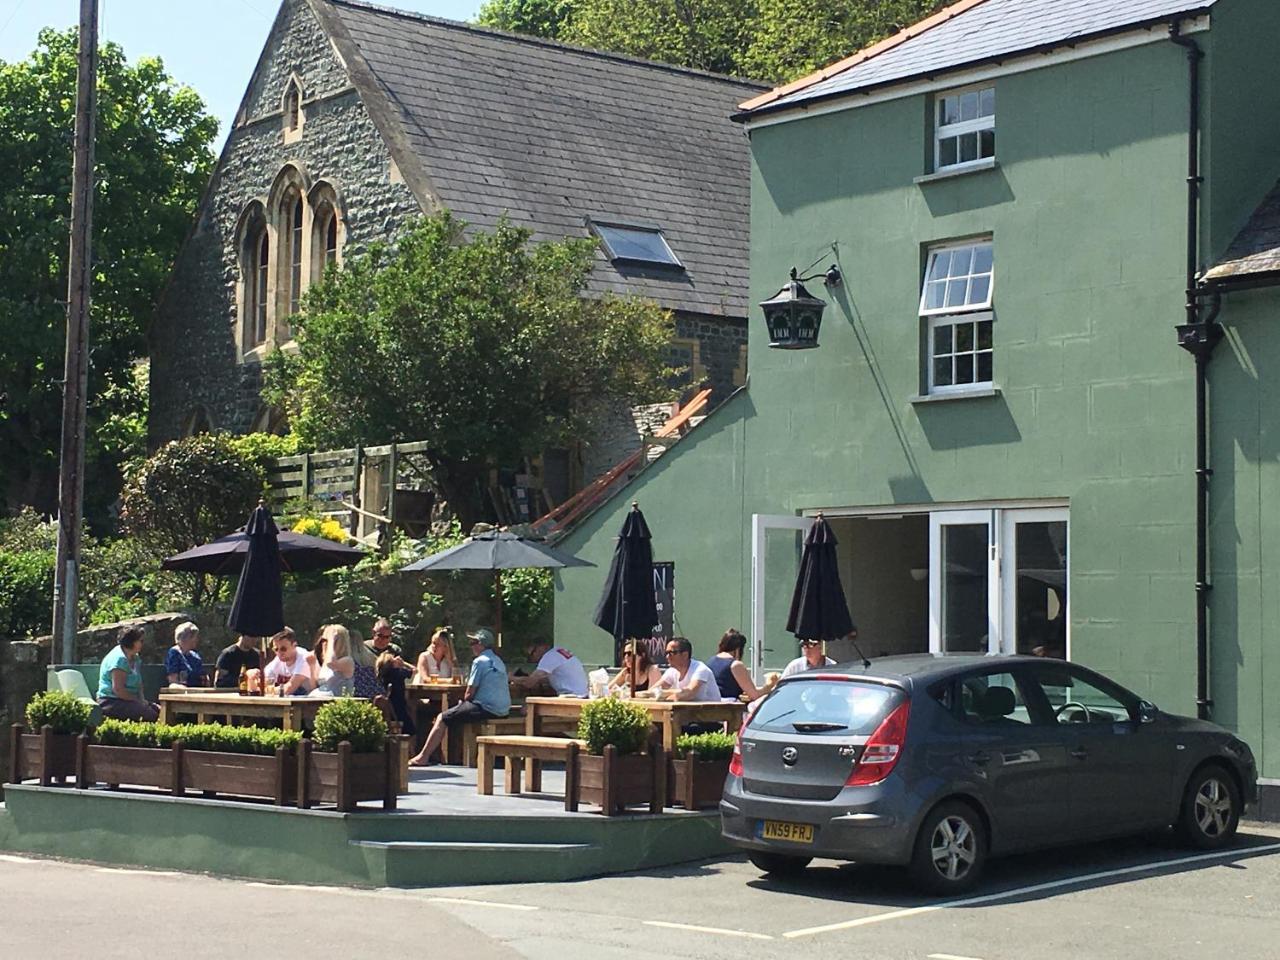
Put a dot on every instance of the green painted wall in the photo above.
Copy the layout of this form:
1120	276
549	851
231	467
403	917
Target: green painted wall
1087	210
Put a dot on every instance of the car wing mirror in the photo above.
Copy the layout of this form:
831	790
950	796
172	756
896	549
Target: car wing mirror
1147	712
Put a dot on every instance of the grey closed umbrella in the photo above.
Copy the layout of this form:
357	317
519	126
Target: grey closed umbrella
497	550
819	610
258	607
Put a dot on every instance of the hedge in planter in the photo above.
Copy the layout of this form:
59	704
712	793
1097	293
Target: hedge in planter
54	718
613	773
698	770
352	759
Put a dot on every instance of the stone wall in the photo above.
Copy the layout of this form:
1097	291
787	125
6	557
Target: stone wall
194	359
22	673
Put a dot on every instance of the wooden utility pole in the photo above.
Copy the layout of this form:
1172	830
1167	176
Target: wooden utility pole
76	375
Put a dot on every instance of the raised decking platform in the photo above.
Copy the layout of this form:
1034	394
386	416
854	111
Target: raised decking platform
442	834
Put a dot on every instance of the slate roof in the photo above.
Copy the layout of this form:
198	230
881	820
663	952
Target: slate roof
550	134
1256	248
970	33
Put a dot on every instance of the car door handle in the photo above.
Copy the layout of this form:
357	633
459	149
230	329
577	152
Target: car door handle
979	758
1080	753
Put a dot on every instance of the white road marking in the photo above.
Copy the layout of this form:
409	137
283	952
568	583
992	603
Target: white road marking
9	858
140	872
950	956
720	931
1033	888
481	903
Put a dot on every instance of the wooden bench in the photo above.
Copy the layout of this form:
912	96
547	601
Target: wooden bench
469	733
515	749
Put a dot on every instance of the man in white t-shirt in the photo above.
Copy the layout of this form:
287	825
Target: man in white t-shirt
811	658
686	678
557	667
292	669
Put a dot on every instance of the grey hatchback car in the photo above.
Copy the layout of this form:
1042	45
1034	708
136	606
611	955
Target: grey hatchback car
938	761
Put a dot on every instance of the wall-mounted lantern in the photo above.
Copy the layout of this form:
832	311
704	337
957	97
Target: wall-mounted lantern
794	315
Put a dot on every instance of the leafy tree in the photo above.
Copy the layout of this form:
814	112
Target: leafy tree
482	345
537	18
190	492
704	34
153	159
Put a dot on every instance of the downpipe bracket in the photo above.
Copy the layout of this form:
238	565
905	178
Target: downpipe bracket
1199	339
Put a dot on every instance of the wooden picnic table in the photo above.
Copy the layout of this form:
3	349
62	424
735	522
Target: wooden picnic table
670	715
292	711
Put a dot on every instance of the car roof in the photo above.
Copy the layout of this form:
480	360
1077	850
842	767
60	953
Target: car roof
922	667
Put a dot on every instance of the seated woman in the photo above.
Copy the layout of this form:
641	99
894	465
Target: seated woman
732	676
647	672
364	676
120	681
392	675
337	676
438	660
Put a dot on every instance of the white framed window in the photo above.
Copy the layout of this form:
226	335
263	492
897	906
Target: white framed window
955	301
964	127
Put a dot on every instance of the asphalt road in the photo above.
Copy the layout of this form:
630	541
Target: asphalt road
1128	901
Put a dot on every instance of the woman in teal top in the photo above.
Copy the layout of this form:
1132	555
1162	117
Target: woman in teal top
120	681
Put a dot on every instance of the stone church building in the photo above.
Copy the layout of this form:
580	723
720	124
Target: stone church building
359	117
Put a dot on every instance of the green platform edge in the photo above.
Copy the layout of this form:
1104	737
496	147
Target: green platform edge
257	842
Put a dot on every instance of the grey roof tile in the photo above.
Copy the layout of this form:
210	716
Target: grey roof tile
988	30
1256	248
549	134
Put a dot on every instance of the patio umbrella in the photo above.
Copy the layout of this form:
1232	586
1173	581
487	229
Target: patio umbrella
299	553
628	610
258	607
819	610
497	550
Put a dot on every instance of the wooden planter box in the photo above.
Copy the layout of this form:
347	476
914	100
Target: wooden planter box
136	766
239	774
346	778
696	784
45	756
614	782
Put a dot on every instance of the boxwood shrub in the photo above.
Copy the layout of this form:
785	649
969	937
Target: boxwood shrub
710	746
196	736
60	710
358	722
610	722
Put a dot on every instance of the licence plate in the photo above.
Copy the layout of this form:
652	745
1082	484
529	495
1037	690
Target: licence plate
790	832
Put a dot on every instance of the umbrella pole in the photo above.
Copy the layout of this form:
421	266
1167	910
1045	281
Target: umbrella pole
497	592
635	665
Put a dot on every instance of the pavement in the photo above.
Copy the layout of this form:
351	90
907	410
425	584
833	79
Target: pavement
1127	900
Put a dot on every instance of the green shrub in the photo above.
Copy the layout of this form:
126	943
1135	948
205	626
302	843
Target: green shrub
59	710
610	722
26	592
359	723
215	737
709	746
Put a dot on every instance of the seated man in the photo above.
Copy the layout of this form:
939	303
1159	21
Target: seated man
293	670
811	658
241	655
486	697
686	678
182	665
558	672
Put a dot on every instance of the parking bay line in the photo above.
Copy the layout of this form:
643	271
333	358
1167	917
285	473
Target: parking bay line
949	956
719	931
1033	888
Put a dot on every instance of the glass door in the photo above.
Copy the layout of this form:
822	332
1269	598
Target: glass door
964	594
776	545
1034	570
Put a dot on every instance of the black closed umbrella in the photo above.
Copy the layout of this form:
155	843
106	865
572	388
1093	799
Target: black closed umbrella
299	553
819	610
628	609
258	608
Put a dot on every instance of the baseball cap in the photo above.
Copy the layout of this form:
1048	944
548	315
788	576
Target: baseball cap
483	636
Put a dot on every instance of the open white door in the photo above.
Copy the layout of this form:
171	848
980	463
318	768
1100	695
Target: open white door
776	542
964	582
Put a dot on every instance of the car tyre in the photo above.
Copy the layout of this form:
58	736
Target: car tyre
950	849
1210	811
779	864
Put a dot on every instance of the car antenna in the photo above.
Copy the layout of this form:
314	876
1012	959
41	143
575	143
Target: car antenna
853	639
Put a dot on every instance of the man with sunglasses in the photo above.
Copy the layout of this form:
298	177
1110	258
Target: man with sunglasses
811	657
686	678
380	642
487	695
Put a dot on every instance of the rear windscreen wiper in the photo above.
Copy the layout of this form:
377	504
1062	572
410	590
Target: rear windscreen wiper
818	726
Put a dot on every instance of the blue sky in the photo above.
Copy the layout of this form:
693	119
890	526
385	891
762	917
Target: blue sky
211	45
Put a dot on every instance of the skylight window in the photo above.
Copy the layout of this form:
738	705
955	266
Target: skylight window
624	243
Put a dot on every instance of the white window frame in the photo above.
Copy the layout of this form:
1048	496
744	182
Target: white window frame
946	131
976	312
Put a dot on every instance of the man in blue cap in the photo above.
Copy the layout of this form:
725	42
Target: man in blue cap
487	695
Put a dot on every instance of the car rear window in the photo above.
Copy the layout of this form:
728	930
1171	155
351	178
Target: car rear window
826	707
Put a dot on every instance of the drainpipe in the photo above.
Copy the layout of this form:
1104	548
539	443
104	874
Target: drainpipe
1198	336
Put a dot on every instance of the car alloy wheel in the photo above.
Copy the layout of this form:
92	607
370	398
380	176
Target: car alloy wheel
1213	808
953	848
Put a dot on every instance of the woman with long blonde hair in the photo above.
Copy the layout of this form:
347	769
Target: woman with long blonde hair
337	676
438	660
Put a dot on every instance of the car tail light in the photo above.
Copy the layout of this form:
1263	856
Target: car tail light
735	762
883	749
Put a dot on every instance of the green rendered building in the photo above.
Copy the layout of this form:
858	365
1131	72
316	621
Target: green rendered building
1000	419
